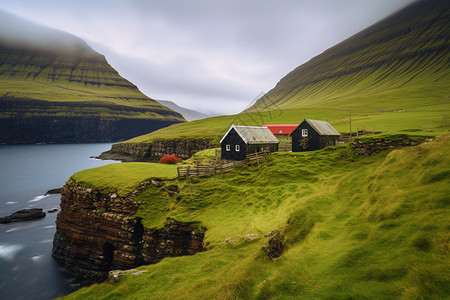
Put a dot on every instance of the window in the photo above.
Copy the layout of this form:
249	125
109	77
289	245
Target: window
228	147
280	131
238	148
304	132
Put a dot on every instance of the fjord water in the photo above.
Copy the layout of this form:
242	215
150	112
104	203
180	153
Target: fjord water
27	269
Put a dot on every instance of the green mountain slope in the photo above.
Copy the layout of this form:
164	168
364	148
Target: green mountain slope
399	65
54	87
392	76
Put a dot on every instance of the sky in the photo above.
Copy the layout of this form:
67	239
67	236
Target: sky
213	56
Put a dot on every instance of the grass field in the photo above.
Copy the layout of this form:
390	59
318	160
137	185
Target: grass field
122	178
432	120
353	227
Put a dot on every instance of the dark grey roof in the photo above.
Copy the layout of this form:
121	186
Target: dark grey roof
321	127
254	135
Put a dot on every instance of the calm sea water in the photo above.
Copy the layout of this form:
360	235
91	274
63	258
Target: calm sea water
27	269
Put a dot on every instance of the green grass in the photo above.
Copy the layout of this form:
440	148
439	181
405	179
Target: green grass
122	178
431	120
206	156
354	228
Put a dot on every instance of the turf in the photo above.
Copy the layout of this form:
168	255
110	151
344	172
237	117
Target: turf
122	178
353	227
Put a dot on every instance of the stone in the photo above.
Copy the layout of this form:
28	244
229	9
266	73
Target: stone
24	215
275	248
379	145
181	148
95	234
53	191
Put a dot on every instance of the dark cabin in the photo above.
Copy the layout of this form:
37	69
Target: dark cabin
313	135
242	140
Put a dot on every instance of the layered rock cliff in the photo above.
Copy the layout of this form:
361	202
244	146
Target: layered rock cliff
55	88
182	148
96	233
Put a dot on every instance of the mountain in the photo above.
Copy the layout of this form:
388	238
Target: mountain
55	88
188	114
391	77
400	64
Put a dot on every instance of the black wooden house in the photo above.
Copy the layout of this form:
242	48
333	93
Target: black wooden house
313	135
242	140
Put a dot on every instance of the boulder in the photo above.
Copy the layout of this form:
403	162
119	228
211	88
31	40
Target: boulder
24	215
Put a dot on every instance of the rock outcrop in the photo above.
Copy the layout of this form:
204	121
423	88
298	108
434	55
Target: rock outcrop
96	233
83	129
372	146
24	215
274	247
182	148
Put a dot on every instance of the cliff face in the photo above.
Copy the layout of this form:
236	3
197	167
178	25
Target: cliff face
95	233
87	129
55	88
183	148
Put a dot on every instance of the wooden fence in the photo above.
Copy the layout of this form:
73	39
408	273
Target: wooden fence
221	166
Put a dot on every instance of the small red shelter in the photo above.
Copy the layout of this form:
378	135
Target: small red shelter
281	129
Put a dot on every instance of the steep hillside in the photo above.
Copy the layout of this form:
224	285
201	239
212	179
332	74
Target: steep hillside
392	76
352	227
188	114
55	88
399	67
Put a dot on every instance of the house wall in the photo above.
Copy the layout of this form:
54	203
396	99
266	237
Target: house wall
262	148
315	141
233	139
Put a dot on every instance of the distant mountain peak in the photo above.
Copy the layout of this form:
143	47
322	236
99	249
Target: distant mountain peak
188	114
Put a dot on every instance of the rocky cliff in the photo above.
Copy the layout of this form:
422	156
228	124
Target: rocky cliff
371	145
55	88
182	148
96	233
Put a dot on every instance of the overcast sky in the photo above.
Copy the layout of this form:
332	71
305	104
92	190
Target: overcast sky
207	55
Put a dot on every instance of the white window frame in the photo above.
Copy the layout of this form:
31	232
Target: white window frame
304	132
280	131
237	148
227	147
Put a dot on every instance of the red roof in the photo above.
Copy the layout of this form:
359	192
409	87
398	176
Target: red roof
281	129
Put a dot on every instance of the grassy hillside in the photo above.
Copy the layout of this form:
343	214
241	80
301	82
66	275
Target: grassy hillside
123	178
52	80
89	85
397	68
392	76
353	227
